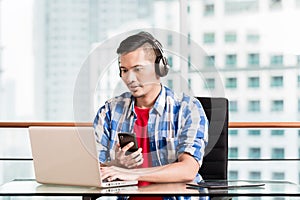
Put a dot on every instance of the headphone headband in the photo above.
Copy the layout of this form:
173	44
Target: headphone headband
161	62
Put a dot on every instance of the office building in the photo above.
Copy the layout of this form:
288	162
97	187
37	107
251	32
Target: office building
255	65
65	32
251	56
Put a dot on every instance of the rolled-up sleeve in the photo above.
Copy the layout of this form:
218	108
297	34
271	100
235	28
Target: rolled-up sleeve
102	133
193	135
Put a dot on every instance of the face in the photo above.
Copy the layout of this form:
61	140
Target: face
138	73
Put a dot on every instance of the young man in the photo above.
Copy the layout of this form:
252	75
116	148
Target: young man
171	130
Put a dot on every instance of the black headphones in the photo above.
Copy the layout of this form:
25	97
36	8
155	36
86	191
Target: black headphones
161	62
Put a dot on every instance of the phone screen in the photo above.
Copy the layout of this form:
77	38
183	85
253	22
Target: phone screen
125	138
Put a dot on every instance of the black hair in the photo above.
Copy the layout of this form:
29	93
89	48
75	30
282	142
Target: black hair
134	42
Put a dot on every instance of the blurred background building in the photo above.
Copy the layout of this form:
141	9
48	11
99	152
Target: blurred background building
244	50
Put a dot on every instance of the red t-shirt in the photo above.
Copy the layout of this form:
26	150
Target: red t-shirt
140	129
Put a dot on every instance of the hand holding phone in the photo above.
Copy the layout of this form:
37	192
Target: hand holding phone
126	138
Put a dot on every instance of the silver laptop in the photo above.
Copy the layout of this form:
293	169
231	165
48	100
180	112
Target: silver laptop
67	156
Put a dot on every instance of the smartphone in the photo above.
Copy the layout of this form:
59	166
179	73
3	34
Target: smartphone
125	138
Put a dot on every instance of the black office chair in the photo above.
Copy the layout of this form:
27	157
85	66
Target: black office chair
216	152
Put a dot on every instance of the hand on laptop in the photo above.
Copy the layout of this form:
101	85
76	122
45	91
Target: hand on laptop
132	160
113	173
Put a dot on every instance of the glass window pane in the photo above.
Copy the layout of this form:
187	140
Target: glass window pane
233	106
254	132
231	60
209	9
233	175
233	152
276	60
233	132
277	153
277	81
254	152
253	60
209	61
209	83
234	7
277	105
230	37
277	132
231	83
209	38
170	83
254	175
254	106
253	82
253	38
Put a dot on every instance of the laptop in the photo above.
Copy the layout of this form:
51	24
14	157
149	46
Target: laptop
67	156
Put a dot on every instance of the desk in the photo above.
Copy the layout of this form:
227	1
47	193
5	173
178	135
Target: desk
32	188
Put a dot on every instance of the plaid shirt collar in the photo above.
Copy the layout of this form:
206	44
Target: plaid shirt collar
158	106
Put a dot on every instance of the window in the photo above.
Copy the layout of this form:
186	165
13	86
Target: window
277	105
170	83
275	4
170	61
277	153
230	37
170	40
231	60
189	38
233	6
254	132
254	106
298	59
209	38
253	60
233	152
188	9
276	60
233	106
253	38
254	175
298	82
298	105
277	81
209	83
231	83
190	83
277	132
254	152
189	62
278	176
253	82
233	175
209	61
233	132
209	9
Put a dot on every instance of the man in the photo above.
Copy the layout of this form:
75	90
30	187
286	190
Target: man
171	130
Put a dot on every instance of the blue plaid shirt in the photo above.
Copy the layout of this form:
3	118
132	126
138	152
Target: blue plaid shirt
176	125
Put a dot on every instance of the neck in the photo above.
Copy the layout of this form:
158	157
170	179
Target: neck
148	100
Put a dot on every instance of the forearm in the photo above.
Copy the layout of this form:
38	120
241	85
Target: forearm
181	171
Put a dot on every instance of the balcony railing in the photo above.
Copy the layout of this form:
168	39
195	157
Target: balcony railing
292	162
231	124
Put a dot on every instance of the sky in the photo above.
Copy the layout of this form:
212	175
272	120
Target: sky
17	55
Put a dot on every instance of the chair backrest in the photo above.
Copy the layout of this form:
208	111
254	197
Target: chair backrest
216	152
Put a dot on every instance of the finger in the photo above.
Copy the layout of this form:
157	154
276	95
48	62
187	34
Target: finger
136	153
128	146
136	164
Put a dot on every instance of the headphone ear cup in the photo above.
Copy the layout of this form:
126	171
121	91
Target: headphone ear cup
161	66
